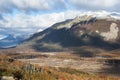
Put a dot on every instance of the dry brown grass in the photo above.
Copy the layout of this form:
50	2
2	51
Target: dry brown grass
48	73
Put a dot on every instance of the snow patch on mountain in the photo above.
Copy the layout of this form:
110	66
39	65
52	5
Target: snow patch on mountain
102	14
2	37
112	34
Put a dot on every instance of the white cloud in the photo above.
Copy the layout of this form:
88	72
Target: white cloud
23	5
27	21
32	23
56	5
95	4
30	5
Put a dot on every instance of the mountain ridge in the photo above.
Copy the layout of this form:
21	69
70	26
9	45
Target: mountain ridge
81	31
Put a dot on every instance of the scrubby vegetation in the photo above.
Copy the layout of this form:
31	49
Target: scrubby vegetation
27	71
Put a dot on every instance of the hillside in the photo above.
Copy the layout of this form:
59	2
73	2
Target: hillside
74	34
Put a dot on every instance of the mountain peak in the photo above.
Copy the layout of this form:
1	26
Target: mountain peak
101	14
84	18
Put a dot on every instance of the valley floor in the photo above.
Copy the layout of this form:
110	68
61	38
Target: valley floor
61	66
97	65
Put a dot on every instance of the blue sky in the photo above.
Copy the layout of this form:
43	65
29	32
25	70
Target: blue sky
29	16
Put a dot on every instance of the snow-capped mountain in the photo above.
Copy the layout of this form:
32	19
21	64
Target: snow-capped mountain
9	41
2	37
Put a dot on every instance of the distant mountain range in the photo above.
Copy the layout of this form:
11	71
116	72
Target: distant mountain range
9	41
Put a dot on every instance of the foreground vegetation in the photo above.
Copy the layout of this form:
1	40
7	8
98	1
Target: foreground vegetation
27	71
